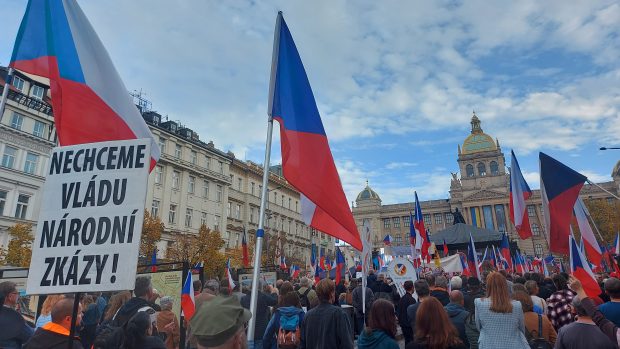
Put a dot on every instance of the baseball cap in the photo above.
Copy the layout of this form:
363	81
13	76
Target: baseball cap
218	320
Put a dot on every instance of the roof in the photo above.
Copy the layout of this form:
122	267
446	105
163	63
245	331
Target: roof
459	234
367	194
478	141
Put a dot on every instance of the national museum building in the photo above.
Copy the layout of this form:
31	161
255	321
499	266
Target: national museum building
480	192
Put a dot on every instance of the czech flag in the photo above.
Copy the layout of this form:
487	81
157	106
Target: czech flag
340	264
154	260
466	271
519	192
420	230
244	248
91	103
591	246
282	262
580	268
559	188
387	240
504	247
187	298
231	282
307	161
519	264
445	248
617	244
294	271
472	258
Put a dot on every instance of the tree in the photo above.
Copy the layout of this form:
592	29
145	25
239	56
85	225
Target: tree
204	247
606	216
152	228
19	250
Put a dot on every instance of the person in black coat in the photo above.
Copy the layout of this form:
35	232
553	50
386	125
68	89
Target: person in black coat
138	334
406	301
55	334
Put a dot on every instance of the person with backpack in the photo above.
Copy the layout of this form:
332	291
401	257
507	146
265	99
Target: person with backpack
538	329
307	296
139	333
284	328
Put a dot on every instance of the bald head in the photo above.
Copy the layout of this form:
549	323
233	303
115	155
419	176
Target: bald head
62	309
456	297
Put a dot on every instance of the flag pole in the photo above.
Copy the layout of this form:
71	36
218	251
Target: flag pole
261	220
5	92
603	189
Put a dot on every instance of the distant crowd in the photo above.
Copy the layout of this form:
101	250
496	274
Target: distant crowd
500	311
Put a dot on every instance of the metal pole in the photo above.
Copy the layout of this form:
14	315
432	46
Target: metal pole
5	92
263	201
603	189
76	305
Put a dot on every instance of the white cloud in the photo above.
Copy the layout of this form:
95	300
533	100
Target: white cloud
399	165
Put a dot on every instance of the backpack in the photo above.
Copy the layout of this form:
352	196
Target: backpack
538	342
110	335
289	334
303	299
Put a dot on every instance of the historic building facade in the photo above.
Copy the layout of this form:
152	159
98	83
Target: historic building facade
27	136
480	191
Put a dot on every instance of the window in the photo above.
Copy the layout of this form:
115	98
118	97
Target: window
538	250
289	203
229	210
252	188
17	120
237	239
162	144
398	239
469	169
494	168
282	202
238	211
203	219
191	186
18	83
221	167
482	169
487	212
8	158
193	157
172	214
22	206
3	194
176	177
438	218
205	189
449	218
216	225
386	222
427	219
30	166
219	193
252	214
500	217
178	151
396	221
531	210
535	229
39	129
207	162
155	208
188	217
239	183
260	192
296	204
406	222
37	92
158	174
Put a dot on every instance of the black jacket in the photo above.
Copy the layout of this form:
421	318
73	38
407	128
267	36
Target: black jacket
43	339
357	300
442	295
129	309
326	327
405	302
263	303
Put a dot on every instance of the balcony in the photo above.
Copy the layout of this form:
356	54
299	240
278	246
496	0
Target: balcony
29	102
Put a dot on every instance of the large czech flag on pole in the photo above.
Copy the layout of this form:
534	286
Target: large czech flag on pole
590	245
504	248
307	161
580	268
91	104
472	258
519	192
420	229
559	189
188	304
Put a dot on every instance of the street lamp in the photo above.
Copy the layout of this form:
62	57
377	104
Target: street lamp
606	148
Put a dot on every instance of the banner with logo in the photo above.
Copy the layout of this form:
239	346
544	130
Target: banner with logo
400	270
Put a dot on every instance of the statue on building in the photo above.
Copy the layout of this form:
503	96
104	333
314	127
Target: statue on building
458	217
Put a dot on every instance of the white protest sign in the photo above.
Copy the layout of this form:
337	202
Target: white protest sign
401	270
89	228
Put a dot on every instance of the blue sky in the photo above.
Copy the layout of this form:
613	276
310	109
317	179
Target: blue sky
395	81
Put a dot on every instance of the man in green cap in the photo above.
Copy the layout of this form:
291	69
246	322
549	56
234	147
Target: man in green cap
221	324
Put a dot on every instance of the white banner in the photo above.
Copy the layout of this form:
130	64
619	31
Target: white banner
90	223
400	270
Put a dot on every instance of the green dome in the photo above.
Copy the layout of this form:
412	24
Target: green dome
367	194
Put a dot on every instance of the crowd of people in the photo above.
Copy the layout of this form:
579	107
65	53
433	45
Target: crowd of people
436	312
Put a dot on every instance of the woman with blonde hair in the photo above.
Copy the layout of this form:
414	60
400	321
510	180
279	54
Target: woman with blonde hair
46	309
116	302
498	318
